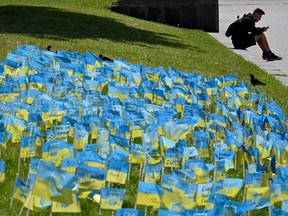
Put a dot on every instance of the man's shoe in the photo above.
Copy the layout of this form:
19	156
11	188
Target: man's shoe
271	57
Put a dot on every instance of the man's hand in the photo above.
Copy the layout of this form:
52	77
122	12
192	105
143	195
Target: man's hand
265	28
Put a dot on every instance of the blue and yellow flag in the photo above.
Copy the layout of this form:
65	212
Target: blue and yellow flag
171	201
90	148
166	142
257	198
163	116
278	212
196	212
91	159
153	172
111	198
219	119
69	165
231	141
137	154
129	211
118	90
221	108
174	183
37	203
276	192
203	99
189	152
61	132
220	133
254	179
15	64
81	134
55	184
203	193
54	151
2	171
221	171
172	158
232	186
58	207
234	208
199	168
240	132
15	126
28	146
92	61
22	189
201	143
90	178
117	168
36	82
202	117
211	87
228	80
4	137
118	141
149	194
153	157
104	148
159	96
33	166
225	154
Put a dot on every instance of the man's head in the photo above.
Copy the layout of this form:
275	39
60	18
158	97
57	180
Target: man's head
257	14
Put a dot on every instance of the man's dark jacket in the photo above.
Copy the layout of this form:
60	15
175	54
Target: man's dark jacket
243	26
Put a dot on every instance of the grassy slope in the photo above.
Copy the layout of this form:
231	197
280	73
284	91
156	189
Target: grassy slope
88	25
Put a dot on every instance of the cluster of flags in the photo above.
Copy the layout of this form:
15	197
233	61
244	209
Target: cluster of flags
84	124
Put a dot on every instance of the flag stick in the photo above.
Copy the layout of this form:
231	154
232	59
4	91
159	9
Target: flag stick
244	167
22	207
211	150
244	178
14	189
215	165
19	159
270	204
107	163
183	162
235	161
91	133
27	213
135	206
131	140
140	170
141	164
129	171
144	167
163	170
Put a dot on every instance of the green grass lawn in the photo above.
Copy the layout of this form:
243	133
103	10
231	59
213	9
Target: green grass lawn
89	25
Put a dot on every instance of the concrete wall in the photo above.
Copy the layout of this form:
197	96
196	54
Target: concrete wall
194	14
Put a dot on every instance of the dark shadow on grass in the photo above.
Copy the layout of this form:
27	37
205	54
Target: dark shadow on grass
52	23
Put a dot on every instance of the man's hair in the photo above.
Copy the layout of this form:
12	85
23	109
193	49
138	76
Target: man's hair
258	10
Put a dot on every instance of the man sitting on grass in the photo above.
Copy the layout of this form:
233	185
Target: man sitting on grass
245	34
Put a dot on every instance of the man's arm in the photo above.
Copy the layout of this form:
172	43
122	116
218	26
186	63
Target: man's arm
258	30
265	28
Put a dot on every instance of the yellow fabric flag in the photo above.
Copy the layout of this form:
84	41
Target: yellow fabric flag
75	207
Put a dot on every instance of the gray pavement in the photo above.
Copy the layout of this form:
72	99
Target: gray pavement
276	16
